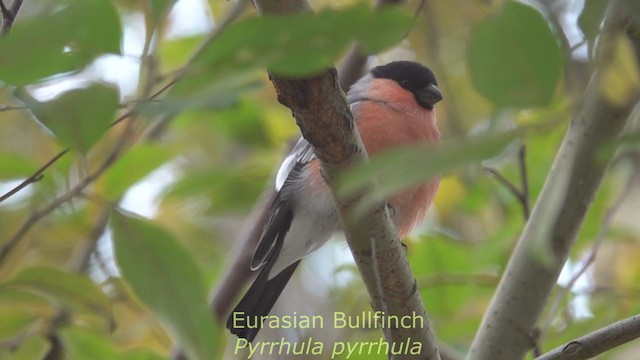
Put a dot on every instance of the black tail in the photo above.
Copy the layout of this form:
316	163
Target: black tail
258	301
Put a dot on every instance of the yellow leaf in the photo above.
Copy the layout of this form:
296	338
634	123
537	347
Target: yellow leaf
620	81
450	193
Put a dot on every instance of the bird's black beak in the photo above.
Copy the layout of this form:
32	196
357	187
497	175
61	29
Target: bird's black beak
429	96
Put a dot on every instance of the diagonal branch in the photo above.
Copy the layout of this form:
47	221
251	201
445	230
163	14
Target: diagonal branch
11	107
543	248
37	176
597	243
325	121
521	194
232	282
597	342
235	11
38	214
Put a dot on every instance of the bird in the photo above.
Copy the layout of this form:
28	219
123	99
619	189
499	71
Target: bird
392	105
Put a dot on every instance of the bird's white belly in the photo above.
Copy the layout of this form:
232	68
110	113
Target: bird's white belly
314	222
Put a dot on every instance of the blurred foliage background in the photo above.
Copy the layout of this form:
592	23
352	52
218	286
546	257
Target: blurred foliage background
83	277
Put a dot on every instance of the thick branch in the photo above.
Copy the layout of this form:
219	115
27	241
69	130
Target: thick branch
597	342
544	246
597	243
228	288
324	118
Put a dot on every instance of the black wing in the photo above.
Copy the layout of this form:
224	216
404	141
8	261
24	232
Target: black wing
281	208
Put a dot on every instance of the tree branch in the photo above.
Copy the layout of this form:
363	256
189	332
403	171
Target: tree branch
37	176
597	243
234	12
524	180
9	15
324	118
232	282
597	342
38	214
11	107
521	194
575	73
549	234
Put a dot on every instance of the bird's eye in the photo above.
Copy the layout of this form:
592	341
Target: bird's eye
404	82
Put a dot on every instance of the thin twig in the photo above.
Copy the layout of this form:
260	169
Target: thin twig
237	8
551	7
510	186
524	180
235	12
455	125
597	342
521	194
554	18
559	212
83	258
123	105
37	176
12	107
70	194
590	259
505	182
416	13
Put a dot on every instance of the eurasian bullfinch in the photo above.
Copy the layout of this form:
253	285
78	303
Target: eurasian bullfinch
393	105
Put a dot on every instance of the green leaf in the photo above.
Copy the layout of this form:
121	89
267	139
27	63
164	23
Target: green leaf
632	137
375	38
141	355
62	41
133	167
79	117
402	168
14	166
174	53
56	285
244	123
317	39
13	323
514	57
167	279
82	344
220	186
591	18
221	93
159	8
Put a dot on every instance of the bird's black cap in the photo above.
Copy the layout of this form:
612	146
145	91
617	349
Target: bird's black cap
414	77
